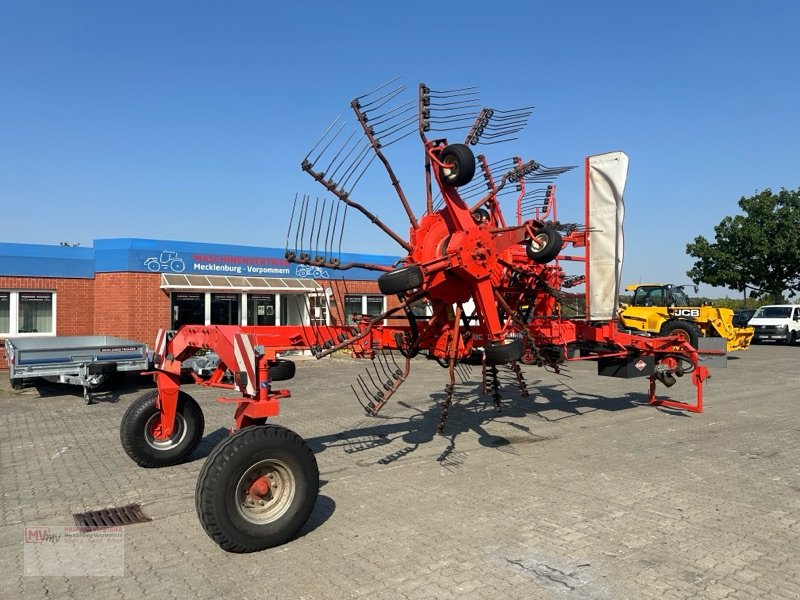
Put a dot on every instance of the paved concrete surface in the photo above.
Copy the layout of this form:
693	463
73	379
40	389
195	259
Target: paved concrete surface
579	491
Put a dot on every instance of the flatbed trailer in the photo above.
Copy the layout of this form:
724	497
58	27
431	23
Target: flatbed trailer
85	360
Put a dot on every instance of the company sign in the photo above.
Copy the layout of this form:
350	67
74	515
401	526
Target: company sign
210	259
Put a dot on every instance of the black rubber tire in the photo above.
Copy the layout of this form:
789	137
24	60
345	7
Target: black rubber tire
143	450
221	508
461	160
400	280
510	349
528	357
792	339
17	383
281	370
552	245
687	329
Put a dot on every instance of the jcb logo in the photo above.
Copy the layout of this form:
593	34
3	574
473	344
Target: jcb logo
686	312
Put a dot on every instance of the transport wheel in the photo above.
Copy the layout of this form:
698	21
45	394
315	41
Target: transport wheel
460	163
140	422
528	357
550	241
257	489
689	331
281	370
16	383
510	349
400	280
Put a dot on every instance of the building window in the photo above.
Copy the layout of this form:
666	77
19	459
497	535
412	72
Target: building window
373	305
225	309
293	309
357	305
261	309
27	313
188	309
5	312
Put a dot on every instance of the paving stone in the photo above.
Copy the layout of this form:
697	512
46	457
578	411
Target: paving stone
579	491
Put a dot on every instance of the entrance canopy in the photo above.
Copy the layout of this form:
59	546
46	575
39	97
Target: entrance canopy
172	281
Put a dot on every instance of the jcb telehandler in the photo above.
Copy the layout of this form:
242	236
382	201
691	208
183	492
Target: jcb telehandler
663	309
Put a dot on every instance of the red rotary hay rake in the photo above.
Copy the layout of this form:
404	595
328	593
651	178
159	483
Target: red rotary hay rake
469	284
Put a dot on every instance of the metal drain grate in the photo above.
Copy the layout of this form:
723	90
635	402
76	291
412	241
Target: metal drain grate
112	517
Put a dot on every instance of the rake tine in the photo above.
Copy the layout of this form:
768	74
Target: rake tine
301	229
386	116
314	326
354	166
324	133
319	259
387	385
363	385
341	231
346	157
336	156
331	225
358	398
380	102
289	229
350	191
379	88
397	127
311	229
328	145
388	143
346	295
385	365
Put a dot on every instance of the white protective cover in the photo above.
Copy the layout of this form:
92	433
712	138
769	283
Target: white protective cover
607	174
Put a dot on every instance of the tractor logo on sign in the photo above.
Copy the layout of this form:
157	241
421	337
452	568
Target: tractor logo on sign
166	261
640	364
312	271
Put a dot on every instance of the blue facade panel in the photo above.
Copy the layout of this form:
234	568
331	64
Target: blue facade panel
39	260
170	256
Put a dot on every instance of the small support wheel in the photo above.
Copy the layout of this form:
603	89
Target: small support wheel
257	489
140	423
549	242
281	370
459	164
400	280
510	349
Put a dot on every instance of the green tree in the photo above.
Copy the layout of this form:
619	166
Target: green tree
758	250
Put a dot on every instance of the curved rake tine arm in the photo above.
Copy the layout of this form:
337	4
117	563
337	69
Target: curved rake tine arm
371	324
376	146
366	266
343	196
394	387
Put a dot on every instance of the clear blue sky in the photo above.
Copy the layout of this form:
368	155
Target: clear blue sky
188	119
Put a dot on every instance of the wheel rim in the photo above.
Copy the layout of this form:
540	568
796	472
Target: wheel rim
177	437
265	491
540	240
450	170
683	334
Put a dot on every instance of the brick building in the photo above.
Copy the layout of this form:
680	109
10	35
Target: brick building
132	287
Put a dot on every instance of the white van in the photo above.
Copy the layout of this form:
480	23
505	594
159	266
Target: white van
776	323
